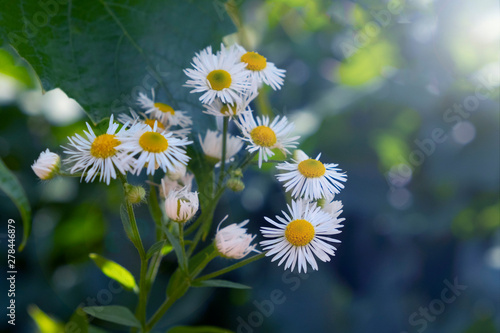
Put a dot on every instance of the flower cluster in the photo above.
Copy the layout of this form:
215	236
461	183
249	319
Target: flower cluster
156	136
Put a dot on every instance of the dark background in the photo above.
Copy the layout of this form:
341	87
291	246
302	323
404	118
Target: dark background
395	99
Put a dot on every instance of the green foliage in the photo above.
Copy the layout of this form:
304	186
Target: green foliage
11	186
157	247
9	67
103	53
220	284
115	271
78	322
44	322
114	314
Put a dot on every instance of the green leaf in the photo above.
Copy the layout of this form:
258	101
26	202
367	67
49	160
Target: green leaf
78	322
103	53
159	246
128	227
220	284
9	65
115	271
114	314
181	258
198	329
199	261
11	186
44	322
94	329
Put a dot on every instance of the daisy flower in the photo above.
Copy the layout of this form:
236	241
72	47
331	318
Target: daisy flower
261	71
181	205
218	76
334	208
232	241
311	179
219	109
212	146
263	136
135	118
301	236
156	150
163	112
47	165
99	154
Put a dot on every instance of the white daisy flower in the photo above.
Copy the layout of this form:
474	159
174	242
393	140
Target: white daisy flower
262	71
181	205
334	208
310	179
219	109
47	165
156	150
212	146
301	236
135	118
163	112
263	136
99	154
218	76
233	241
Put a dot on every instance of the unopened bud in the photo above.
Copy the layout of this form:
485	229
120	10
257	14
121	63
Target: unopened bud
237	173
134	194
235	184
299	155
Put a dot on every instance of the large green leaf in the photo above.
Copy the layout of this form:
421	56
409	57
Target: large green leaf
115	271
103	53
114	314
11	186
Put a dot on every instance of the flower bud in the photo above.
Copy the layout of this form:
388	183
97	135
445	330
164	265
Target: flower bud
235	184
135	194
299	155
47	165
233	241
176	173
181	205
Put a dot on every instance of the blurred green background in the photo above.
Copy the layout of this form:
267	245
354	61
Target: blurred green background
404	95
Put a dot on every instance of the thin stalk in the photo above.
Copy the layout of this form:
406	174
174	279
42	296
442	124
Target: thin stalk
224	148
181	241
141	306
232	267
160	312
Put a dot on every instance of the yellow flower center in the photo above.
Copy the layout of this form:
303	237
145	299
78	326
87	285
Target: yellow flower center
151	123
299	232
311	168
219	79
254	61
153	142
226	109
104	146
263	136
164	108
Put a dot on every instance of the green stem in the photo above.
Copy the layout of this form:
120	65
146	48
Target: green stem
141	306
224	148
232	267
181	241
154	207
160	312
